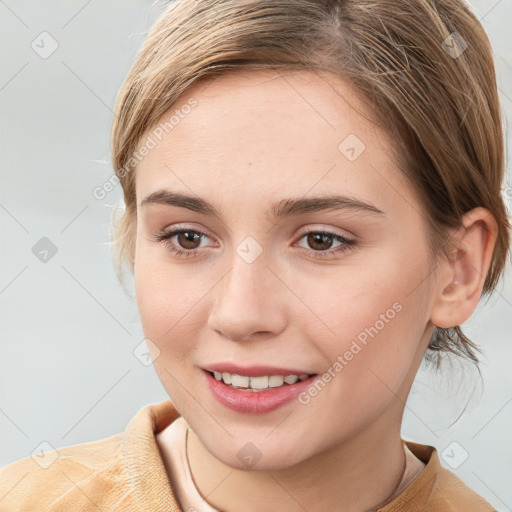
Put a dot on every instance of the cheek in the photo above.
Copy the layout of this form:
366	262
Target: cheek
362	305
376	322
168	307
167	300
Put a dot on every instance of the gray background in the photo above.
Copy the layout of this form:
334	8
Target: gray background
68	373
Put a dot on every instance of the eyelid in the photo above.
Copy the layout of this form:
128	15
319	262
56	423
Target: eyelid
308	228
184	227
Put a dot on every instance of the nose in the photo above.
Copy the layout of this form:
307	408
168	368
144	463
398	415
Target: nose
249	302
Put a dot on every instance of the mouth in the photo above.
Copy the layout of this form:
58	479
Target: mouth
255	389
258	383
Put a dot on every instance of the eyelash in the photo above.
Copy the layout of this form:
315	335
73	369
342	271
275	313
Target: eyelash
348	243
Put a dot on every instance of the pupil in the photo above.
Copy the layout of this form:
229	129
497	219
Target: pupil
321	239
190	238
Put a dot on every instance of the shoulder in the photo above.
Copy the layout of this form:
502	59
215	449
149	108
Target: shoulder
453	494
121	472
79	477
436	489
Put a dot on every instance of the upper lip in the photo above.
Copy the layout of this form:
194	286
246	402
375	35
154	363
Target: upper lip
254	370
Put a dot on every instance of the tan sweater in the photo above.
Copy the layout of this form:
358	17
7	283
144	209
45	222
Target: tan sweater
125	473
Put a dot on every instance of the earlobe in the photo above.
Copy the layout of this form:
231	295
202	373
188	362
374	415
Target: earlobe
463	275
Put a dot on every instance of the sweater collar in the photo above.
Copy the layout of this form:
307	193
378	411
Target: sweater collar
148	478
416	494
150	484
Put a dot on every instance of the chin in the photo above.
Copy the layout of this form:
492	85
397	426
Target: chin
260	454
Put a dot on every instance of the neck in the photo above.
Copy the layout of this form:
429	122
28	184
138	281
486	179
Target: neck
359	475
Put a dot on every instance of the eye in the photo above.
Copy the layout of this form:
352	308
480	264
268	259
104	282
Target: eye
185	239
322	241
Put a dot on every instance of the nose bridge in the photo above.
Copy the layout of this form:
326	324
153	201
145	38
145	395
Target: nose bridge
245	282
248	262
243	302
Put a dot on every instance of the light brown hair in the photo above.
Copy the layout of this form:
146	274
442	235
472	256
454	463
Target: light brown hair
425	68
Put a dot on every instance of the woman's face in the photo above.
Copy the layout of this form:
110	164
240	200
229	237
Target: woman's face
278	277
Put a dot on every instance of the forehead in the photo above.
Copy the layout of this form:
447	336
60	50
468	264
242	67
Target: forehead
306	103
263	133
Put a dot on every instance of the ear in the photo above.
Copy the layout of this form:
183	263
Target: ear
461	277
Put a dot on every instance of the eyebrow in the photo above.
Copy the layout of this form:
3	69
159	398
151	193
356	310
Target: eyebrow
279	210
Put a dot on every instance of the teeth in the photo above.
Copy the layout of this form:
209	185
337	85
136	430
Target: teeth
238	381
257	383
275	381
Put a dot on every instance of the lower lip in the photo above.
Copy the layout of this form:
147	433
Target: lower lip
255	402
